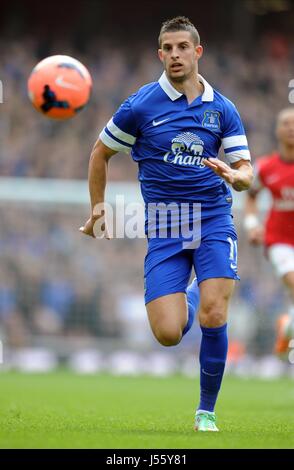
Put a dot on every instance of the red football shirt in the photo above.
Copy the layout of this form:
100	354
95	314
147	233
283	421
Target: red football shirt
277	175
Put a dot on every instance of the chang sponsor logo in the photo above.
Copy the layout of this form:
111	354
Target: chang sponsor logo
186	150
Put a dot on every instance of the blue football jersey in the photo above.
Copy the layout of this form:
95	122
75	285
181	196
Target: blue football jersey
169	138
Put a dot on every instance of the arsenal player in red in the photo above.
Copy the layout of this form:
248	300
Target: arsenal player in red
276	173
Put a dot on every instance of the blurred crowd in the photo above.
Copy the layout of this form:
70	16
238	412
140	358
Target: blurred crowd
257	80
55	282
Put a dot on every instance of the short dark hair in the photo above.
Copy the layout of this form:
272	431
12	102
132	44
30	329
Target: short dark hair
179	23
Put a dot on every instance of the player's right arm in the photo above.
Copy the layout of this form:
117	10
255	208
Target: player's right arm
251	222
119	135
97	178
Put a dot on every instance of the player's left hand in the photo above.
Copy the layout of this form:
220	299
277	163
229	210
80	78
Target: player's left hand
230	175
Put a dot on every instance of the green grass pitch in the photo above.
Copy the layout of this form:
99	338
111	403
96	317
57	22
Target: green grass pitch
64	410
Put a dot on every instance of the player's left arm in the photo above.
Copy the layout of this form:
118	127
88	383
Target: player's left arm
237	169
243	175
239	174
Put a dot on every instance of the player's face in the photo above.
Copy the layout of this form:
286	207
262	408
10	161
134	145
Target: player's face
179	55
285	128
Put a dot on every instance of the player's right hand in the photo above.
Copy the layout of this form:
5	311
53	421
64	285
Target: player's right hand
88	228
256	235
95	228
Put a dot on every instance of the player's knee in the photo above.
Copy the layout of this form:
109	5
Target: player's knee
212	316
168	337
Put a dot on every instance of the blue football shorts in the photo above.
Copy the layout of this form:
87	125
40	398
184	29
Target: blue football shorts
168	265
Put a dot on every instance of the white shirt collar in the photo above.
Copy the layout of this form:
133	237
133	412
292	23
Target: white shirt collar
174	94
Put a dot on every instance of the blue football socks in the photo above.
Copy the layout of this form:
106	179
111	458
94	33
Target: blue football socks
193	302
213	353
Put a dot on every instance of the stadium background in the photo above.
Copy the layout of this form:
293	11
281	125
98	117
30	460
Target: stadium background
66	299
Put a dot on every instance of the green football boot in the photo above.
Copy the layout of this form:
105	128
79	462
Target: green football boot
205	421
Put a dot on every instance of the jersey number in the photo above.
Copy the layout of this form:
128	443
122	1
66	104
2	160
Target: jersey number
233	252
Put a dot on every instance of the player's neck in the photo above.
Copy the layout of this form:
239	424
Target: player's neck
287	153
191	87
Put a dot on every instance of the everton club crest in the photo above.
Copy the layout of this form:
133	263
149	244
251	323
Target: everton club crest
211	120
